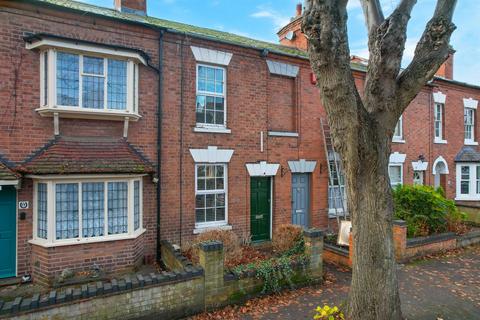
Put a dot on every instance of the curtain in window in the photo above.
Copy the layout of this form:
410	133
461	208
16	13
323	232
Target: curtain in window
42	210
66	210
93	212
117	207
136	205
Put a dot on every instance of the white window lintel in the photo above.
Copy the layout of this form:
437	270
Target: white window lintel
439	97
282	69
302	166
397	158
419	165
470	103
211	56
211	155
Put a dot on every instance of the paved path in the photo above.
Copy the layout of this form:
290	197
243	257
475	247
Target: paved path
443	287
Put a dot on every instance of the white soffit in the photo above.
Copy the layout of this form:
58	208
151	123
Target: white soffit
302	166
470	103
211	155
439	97
211	56
262	169
397	157
420	166
282	69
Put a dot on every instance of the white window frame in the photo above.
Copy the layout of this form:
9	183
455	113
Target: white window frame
399	138
421	177
472	195
213	224
471	140
401	173
51	182
209	127
48	78
440	138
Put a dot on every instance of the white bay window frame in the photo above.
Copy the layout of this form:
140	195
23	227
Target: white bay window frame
473	182
48	85
51	183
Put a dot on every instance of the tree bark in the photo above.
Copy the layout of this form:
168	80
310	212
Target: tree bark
362	128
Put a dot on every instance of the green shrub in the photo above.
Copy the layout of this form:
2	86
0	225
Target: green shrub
426	210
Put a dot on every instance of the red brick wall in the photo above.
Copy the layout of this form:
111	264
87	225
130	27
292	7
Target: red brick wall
23	130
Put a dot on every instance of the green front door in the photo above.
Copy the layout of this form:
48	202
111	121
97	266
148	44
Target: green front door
260	208
8	231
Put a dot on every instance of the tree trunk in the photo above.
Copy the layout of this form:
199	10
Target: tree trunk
374	290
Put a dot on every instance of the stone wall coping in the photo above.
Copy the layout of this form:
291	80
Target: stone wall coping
314	233
413	242
96	289
177	254
469	235
209	246
341	251
400	223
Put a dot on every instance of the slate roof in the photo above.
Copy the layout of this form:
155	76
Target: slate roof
467	154
6	173
177	27
80	155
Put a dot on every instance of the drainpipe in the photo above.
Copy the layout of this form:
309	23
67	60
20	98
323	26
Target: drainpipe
159	135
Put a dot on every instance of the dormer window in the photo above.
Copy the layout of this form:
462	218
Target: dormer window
83	80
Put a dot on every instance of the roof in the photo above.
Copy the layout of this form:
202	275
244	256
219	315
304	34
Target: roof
80	155
467	154
6	173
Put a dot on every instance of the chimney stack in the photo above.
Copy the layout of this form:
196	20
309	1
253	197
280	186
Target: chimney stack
132	6
299	10
446	69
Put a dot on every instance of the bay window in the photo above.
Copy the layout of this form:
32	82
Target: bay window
211	98
85	210
468	181
210	195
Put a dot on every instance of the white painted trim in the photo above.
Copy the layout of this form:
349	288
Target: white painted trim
302	166
282	69
397	157
83	113
398	140
439	141
262	169
211	155
470	103
439	97
397	164
472	195
200	230
271	208
213	94
211	56
419	166
469	142
212	130
9	182
439	159
85	48
85	176
283	134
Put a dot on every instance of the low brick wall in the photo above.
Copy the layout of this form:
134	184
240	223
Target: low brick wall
172	258
336	255
468	239
166	295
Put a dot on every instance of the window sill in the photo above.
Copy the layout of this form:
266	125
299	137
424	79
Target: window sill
467	198
438	141
71	242
212	130
470	143
283	134
398	140
199	229
82	113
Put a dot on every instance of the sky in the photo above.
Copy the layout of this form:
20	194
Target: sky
261	19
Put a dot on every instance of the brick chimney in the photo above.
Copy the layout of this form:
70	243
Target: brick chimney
446	69
291	35
132	6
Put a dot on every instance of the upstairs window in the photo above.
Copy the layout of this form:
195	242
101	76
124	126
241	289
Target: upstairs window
439	122
211	104
469	125
398	133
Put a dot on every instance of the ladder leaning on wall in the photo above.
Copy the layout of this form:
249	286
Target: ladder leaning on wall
333	175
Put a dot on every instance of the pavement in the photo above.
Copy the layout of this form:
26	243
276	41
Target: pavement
445	286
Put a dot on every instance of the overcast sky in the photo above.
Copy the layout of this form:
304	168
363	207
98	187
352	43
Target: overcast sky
261	19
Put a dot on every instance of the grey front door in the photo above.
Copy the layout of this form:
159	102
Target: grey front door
300	199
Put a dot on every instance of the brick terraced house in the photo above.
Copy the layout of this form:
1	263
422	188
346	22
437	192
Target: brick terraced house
119	130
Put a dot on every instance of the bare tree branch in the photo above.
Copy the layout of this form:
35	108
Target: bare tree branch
431	51
386	45
372	10
325	26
